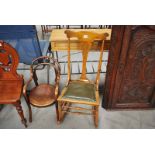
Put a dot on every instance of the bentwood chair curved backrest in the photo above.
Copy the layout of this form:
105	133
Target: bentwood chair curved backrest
43	94
11	83
82	91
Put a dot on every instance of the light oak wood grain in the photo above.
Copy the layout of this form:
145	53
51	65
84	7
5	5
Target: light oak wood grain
85	39
59	41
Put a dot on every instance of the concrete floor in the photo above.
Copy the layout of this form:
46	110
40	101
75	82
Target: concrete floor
45	118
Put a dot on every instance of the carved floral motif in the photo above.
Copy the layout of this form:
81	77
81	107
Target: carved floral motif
139	74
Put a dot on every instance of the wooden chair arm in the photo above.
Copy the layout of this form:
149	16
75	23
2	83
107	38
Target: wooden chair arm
26	85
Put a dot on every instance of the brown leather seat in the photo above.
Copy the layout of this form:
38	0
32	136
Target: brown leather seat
42	95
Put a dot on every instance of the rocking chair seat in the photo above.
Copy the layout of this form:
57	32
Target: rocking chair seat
42	95
80	91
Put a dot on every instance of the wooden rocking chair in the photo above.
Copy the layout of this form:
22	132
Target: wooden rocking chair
82	91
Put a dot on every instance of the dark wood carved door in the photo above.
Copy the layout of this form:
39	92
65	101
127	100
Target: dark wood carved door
130	79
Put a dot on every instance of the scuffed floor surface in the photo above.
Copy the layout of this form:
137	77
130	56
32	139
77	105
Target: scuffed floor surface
45	118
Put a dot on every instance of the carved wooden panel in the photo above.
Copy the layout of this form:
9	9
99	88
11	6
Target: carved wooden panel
113	59
8	62
133	83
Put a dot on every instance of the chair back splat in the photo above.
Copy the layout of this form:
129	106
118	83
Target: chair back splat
86	40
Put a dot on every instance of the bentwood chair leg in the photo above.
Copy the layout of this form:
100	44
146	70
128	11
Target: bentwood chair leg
57	111
20	112
96	116
30	112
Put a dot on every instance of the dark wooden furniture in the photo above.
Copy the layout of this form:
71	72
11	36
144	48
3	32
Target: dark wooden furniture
11	83
130	79
82	91
43	94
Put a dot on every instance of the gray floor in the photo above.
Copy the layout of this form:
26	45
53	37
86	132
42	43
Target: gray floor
45	118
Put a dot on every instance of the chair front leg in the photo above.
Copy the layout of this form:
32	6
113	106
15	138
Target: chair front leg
60	111
96	117
57	111
30	110
20	112
29	106
93	113
27	97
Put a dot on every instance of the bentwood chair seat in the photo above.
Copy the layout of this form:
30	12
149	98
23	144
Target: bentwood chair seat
42	94
82	91
11	83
